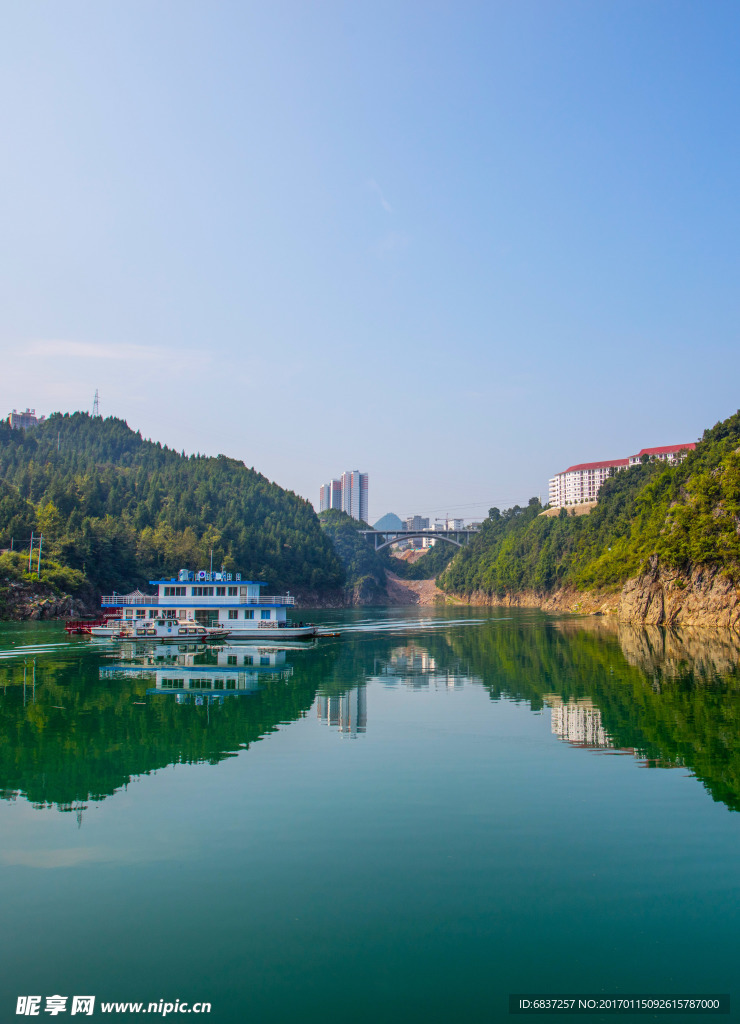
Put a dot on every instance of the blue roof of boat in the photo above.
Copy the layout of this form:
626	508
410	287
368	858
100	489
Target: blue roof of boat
173	579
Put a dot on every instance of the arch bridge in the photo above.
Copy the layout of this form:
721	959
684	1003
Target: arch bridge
384	538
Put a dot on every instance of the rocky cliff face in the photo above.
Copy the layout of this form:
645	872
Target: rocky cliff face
660	597
35	601
666	597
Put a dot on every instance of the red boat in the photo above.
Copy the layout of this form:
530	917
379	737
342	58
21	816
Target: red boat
78	627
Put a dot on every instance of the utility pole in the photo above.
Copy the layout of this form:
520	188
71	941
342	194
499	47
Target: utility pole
38	571
30	552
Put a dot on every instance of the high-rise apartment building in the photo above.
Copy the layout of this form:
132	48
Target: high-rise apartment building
349	494
336	494
354	494
330	495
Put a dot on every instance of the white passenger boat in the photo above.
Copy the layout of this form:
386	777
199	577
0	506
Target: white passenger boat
160	631
211	600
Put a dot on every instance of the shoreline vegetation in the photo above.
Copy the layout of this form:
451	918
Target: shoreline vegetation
116	510
661	547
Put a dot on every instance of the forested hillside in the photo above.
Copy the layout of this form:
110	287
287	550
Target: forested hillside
687	515
364	568
431	563
123	510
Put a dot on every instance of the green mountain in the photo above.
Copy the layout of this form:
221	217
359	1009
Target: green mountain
686	515
122	510
364	568
431	563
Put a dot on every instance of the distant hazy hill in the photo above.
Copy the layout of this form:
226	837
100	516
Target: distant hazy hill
389	522
124	510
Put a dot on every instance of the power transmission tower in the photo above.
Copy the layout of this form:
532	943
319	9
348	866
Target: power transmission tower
96	405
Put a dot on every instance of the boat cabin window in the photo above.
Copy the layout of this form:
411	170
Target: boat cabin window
233	613
140	613
265	614
220	591
249	613
233	591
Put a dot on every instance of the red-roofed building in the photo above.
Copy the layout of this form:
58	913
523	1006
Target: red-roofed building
669	453
582	482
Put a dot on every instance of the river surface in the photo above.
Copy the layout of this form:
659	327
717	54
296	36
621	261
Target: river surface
405	823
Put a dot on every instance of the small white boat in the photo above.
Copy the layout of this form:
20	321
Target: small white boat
161	631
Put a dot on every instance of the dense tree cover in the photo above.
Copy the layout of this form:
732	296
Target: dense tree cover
61	579
124	510
364	568
686	514
428	567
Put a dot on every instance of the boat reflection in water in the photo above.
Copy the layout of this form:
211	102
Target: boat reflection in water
193	675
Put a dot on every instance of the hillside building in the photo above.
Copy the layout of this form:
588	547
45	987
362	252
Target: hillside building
24	420
671	454
581	483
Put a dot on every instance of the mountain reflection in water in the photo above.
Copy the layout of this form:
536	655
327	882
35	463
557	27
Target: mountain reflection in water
80	722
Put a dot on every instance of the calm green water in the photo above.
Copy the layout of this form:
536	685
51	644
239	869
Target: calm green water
403	824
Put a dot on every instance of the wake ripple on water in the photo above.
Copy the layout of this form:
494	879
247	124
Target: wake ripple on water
407	625
30	650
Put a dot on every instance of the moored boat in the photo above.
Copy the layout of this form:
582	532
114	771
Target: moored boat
161	631
211	600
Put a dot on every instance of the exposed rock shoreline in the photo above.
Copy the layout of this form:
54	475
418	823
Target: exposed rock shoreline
660	597
22	601
701	597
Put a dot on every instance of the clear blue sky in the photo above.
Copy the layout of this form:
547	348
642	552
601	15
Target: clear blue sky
459	246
